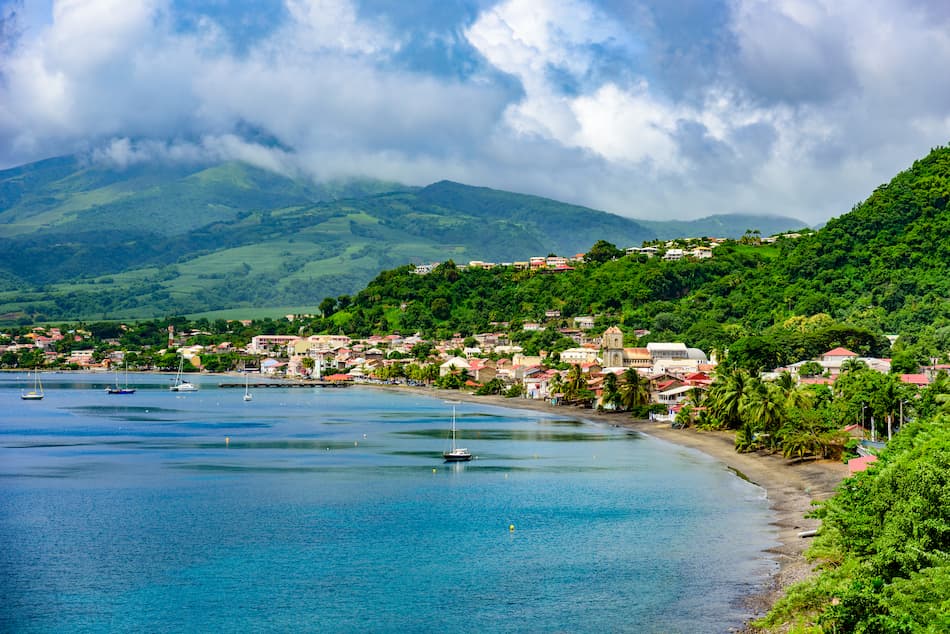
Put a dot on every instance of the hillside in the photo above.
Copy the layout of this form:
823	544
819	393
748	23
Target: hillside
85	241
882	268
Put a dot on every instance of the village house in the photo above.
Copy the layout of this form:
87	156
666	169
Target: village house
835	358
578	355
454	364
584	322
264	344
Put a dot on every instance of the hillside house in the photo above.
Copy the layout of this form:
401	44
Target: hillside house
833	359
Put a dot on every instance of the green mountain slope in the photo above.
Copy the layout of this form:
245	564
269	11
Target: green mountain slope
725	225
882	268
85	241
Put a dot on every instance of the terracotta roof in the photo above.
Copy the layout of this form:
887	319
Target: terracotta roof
915	379
840	352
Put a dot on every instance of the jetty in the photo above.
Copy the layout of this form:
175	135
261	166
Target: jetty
287	384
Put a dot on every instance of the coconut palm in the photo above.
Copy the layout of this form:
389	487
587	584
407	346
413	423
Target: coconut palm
725	396
635	390
575	386
763	407
611	394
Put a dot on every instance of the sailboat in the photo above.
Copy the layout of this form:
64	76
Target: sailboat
36	393
179	385
121	390
247	395
456	454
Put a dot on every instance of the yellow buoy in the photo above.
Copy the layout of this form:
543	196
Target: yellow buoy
433	470
227	441
511	527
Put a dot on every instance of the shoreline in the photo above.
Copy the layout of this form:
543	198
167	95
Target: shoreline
790	487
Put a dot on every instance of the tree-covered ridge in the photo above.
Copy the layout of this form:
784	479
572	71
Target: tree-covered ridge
882	268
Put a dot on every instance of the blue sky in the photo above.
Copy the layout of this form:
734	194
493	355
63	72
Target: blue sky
656	109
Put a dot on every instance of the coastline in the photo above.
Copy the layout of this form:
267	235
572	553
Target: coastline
790	487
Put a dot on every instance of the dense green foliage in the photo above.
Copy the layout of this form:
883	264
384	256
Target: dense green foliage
884	545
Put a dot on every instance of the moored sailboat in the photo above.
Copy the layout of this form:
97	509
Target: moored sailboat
456	454
36	393
117	389
179	385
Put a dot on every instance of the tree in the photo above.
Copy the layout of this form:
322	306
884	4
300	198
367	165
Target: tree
575	385
611	393
634	391
327	306
603	251
810	368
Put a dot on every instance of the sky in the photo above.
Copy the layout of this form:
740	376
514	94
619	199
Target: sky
661	109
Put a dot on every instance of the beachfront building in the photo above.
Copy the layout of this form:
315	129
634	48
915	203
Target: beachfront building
265	344
455	364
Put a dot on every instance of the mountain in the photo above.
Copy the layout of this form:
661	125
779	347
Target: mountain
83	240
723	226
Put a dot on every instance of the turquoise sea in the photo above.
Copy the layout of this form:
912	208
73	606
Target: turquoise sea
330	510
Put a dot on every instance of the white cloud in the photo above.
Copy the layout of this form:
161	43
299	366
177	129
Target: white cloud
803	106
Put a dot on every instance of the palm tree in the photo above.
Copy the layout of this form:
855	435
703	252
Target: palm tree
725	396
635	390
852	365
763	407
611	395
576	384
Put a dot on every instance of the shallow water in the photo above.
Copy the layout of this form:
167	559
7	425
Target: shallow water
331	510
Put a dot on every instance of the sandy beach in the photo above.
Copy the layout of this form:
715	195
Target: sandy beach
790	486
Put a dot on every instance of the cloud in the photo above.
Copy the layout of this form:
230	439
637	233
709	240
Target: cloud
650	109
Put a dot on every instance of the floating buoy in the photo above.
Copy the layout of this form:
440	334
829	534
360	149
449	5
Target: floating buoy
356	443
511	528
433	469
227	441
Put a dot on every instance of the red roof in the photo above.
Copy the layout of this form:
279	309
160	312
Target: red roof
860	464
915	379
840	352
338	377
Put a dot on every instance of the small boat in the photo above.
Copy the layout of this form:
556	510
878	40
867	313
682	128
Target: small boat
179	385
117	389
36	393
247	395
456	454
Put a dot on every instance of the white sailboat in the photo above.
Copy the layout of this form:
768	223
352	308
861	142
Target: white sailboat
179	385
36	393
456	454
121	389
247	395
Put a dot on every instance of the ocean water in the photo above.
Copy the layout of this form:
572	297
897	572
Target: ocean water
330	510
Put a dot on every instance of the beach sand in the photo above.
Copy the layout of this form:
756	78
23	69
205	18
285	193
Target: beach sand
790	486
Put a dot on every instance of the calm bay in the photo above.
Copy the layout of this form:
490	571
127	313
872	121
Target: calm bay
331	510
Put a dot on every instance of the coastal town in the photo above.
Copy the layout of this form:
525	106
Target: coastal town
672	371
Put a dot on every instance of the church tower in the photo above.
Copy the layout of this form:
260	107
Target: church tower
611	348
